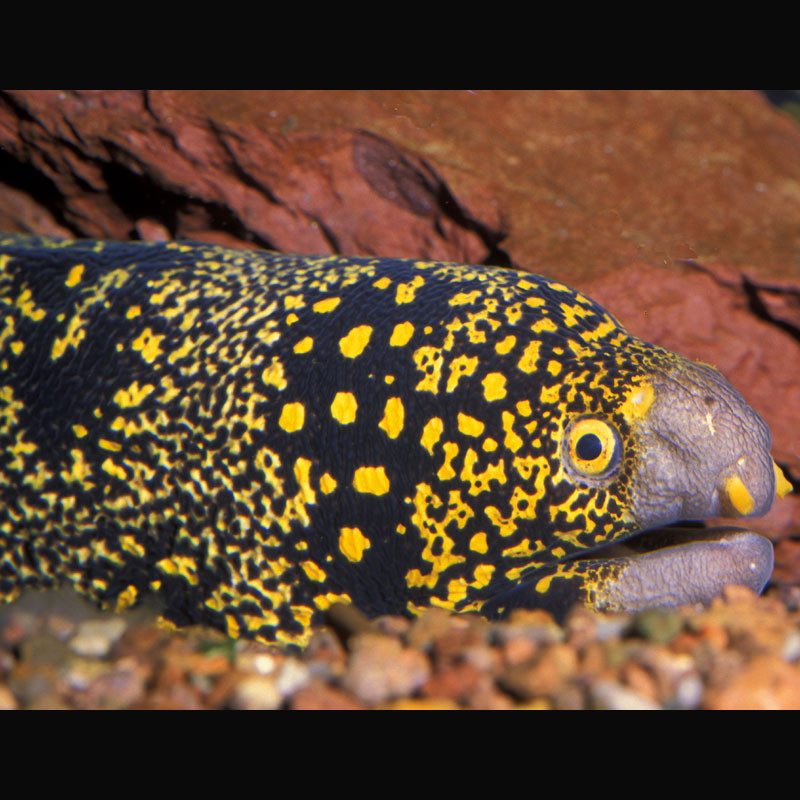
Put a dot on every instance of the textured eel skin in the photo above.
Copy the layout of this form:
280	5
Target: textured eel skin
256	436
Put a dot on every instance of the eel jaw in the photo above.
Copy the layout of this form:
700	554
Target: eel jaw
694	568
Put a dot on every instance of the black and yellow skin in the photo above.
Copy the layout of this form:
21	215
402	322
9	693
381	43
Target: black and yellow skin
257	436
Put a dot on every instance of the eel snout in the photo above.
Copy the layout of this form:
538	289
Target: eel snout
704	451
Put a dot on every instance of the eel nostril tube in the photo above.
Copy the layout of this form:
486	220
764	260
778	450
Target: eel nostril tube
782	486
738	497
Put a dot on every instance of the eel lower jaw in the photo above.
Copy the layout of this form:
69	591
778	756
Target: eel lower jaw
681	566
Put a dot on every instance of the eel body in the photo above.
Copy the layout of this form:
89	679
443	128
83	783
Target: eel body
257	436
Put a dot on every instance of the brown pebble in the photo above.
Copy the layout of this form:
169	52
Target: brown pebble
766	683
63	628
581	627
18	626
347	620
451	644
554	666
613	696
318	696
7	661
534	624
220	693
519	650
380	668
260	663
569	698
456	681
121	685
488	697
94	638
712	633
43	648
325	654
256	693
640	681
49	701
424	704
27	681
392	625
7	700
435	622
666	668
173	695
592	661
482	657
292	675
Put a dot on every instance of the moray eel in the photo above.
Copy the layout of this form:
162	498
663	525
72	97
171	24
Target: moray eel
256	436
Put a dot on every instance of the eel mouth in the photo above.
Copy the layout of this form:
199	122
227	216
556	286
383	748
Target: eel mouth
684	565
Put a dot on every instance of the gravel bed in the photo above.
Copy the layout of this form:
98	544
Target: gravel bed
741	653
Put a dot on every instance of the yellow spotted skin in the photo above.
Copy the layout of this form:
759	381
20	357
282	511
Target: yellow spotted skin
257	436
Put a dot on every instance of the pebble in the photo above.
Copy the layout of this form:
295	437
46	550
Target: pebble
689	692
380	668
658	625
294	675
791	646
318	696
95	637
8	702
742	652
612	696
256	693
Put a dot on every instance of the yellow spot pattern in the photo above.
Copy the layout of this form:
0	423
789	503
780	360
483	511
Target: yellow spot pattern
343	408
353	543
326	305
149	345
431	433
401	335
371	480
470	426
75	275
494	386
304	345
293	416
356	340
393	417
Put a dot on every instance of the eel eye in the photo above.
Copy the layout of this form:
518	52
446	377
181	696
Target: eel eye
593	447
